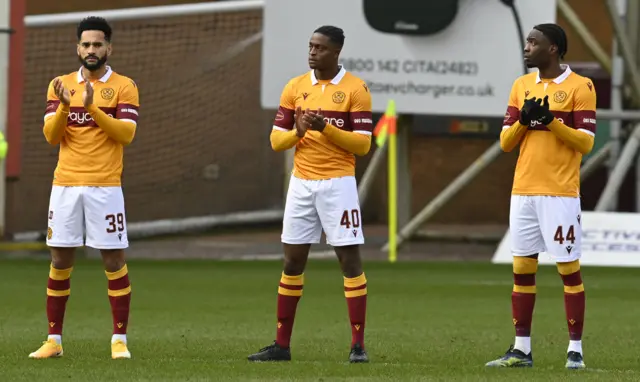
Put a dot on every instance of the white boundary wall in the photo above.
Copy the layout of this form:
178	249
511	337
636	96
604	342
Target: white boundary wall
466	69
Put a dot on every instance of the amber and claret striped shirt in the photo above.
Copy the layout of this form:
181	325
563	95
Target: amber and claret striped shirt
345	102
88	157
546	164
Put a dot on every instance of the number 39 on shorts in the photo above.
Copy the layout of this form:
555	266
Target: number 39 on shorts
115	222
350	218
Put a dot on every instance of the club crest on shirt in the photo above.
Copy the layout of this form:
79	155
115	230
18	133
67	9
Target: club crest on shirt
305	95
49	233
338	97
107	93
560	96
526	93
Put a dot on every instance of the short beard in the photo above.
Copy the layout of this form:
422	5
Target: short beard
93	67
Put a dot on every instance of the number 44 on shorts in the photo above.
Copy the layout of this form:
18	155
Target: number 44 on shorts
351	219
560	237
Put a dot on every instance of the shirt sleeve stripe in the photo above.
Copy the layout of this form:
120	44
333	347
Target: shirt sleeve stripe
588	132
128	120
511	116
284	118
361	120
52	106
585	119
127	111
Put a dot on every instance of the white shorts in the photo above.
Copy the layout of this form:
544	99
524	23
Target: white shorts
99	210
548	224
314	205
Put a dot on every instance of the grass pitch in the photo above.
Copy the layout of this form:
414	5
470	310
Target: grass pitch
198	320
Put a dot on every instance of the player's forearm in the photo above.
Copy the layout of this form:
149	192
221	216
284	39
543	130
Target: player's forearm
356	143
511	136
577	140
283	140
54	127
120	131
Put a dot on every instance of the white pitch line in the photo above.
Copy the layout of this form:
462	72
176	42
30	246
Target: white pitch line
277	256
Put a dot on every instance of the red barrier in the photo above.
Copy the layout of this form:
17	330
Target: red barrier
16	83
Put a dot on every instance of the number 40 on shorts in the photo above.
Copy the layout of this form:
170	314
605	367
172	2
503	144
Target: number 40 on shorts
350	219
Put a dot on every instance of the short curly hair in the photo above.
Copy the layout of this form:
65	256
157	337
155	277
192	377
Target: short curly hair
94	23
335	34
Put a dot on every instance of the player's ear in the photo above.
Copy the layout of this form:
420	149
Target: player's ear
109	49
553	49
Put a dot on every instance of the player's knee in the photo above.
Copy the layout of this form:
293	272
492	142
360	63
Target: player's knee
568	268
350	261
113	259
351	266
352	270
295	258
525	265
293	267
571	277
62	258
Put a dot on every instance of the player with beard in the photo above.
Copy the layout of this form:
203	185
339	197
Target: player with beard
92	114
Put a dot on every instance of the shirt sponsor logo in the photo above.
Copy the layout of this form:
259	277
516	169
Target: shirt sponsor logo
82	118
337	122
536	123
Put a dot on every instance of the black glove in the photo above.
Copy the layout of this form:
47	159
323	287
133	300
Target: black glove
546	116
525	113
540	111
